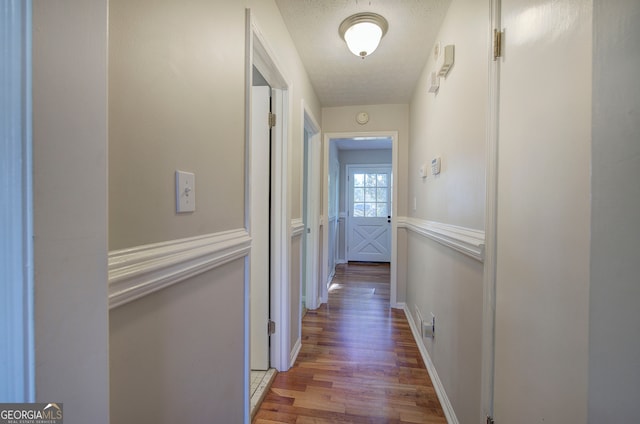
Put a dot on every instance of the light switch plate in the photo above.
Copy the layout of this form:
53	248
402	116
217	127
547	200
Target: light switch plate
185	192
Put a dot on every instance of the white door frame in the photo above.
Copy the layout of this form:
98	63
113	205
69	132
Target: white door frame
260	55
17	378
348	194
393	135
312	191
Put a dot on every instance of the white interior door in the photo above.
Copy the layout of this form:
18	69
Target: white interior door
259	226
369	217
541	302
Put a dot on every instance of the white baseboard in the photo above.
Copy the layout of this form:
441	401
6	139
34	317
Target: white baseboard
295	351
437	384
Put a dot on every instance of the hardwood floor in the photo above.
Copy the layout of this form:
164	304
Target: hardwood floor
359	362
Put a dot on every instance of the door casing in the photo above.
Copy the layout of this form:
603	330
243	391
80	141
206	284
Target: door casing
17	374
491	204
311	191
260	55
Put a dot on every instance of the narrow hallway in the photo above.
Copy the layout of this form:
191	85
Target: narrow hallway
359	362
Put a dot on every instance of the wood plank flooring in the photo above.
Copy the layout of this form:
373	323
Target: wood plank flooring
359	362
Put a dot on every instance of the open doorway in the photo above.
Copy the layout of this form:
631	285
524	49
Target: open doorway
371	156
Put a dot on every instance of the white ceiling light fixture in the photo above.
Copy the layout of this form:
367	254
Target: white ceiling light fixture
362	32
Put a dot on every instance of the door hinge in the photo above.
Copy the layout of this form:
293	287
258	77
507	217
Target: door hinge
490	420
271	327
497	44
272	120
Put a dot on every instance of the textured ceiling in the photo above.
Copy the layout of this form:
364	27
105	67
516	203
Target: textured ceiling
389	74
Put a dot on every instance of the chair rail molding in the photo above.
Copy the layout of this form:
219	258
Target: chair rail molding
465	240
138	271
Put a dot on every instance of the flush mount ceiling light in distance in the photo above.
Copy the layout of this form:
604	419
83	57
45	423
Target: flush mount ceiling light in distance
362	32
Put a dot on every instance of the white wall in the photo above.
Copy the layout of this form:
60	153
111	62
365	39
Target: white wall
70	207
177	101
448	284
168	74
174	358
543	233
451	124
614	295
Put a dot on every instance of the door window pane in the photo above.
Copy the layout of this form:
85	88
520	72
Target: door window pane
370	210
371	180
371	194
358	209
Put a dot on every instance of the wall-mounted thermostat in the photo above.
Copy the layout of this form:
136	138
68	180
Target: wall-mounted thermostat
435	166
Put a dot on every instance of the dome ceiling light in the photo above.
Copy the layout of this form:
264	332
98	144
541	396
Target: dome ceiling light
362	32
